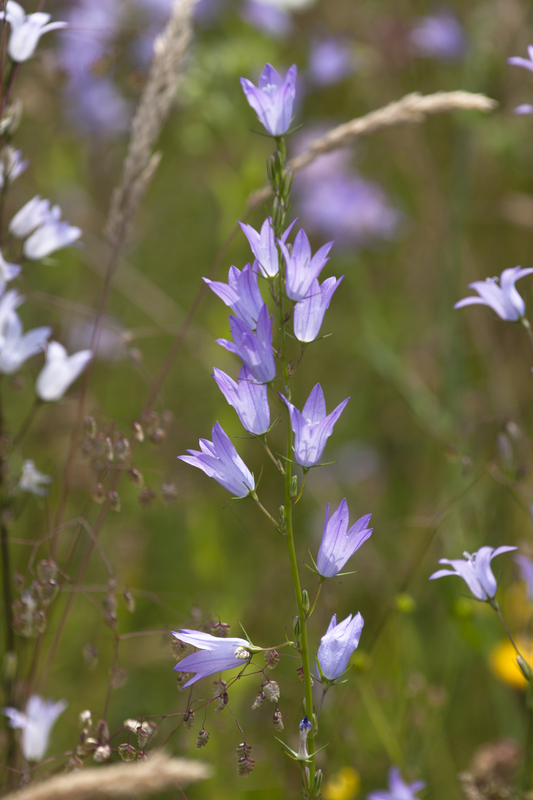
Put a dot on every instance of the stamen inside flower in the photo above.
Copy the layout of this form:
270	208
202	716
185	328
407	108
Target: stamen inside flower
242	653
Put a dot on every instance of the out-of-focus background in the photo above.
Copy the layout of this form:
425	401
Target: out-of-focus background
435	441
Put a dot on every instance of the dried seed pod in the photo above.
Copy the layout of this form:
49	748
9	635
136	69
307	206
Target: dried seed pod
271	659
220	629
219	687
182	678
259	700
202	739
136	477
167	416
222	703
109	449
89	426
300	673
102	730
188	719
145	729
127	752
245	764
277	719
73	764
271	690
169	492
131	725
47	592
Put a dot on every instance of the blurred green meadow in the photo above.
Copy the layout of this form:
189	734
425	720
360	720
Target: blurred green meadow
435	441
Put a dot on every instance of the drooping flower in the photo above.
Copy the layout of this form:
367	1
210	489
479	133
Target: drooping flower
526	63
217	654
439	36
526	572
7	272
60	371
33	214
302	267
312	428
53	234
11	165
273	99
398	789
254	349
248	398
503	299
26	30
338	644
475	570
36	721
219	460
15	346
263	246
32	480
241	293
338	543
309	312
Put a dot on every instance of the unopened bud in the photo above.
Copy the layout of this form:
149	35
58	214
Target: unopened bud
305	601
286	182
282	520
138	432
202	739
297	628
271	659
524	667
294	486
188	719
97	493
127	752
271	690
317	783
102	753
114	500
259	700
277	719
46	571
136	477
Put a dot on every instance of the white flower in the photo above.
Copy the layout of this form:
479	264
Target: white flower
31	479
60	371
16	347
30	216
51	235
36	722
11	165
26	30
7	272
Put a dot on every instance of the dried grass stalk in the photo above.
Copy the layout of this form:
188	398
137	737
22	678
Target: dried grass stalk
165	75
158	774
411	108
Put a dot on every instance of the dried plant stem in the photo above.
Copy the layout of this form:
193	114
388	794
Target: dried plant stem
159	774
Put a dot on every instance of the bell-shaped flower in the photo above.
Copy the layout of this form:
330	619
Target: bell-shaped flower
241	293
398	789
273	99
503	299
220	460
525	566
7	272
309	312
33	214
526	63
475	570
217	654
11	165
26	30
15	346
254	349
263	246
52	235
339	543
312	427
337	645
302	267
248	398
32	480
36	722
60	371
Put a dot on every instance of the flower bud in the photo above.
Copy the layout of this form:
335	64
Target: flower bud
138	432
305	601
259	700
525	669
46	571
136	477
282	520
297	628
188	719
294	486
114	500
271	690
277	719
127	752
271	659
97	493
202	739
102	753
317	783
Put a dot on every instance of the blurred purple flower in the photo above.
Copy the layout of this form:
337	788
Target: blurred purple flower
526	63
526	572
503	299
36	721
254	350
248	398
273	99
330	61
218	654
439	36
220	460
8	271
26	30
263	246
338	543
309	312
29	217
525	108
241	293
398	789
267	18
337	645
475	570
302	267
311	427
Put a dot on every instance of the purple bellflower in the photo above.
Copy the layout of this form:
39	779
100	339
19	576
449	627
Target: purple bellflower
330	61
309	312
312	428
254	349
398	789
525	566
273	99
220	460
525	108
248	398
36	722
268	18
26	30
339	543
439	36
302	267
263	246
241	293
337	645
218	654
475	571
503	299
526	63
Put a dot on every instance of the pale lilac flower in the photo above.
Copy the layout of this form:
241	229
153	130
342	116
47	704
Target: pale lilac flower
526	572
220	460
475	570
11	166
338	543
30	217
218	654
267	18
248	398
526	63
309	312
26	30
337	645
503	299
254	349
525	108
32	480
302	267
60	371
439	36
36	721
398	789
312	428
263	246
241	293
51	235
273	99
8	271
305	729
330	61
15	346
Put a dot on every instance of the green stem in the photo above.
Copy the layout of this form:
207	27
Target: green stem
527	326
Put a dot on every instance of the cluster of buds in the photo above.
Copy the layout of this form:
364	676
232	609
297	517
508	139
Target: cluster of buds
105	446
143	729
152	426
245	764
29	609
93	738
